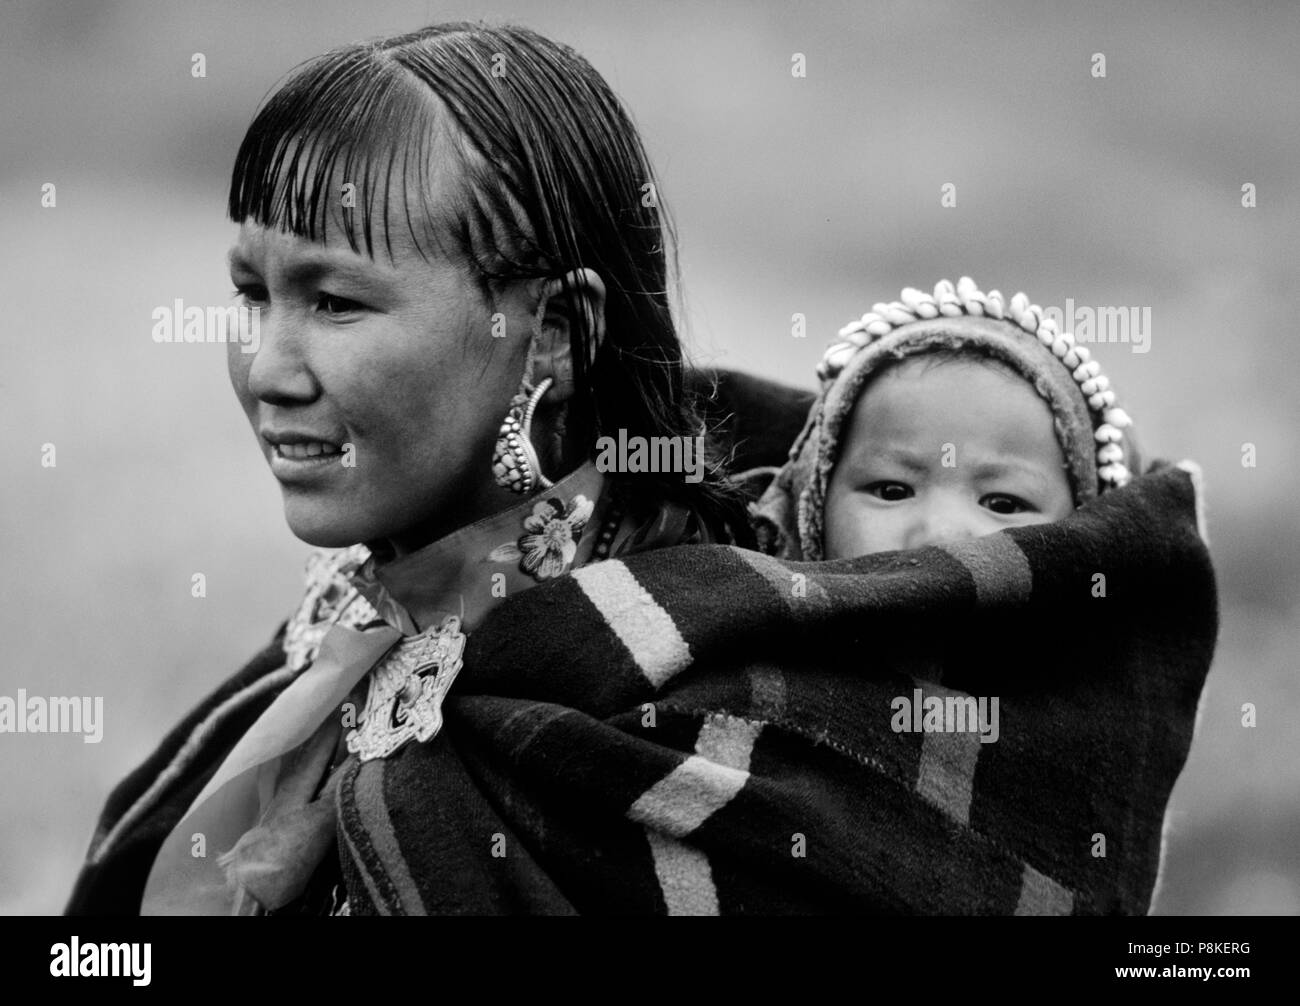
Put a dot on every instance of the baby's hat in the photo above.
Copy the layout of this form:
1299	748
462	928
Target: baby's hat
789	518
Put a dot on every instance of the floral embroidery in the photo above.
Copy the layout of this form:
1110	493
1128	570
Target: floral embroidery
552	537
329	598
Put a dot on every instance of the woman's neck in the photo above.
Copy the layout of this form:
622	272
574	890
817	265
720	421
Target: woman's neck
560	453
467	571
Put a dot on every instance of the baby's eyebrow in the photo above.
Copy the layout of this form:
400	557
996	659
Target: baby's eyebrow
1003	466
907	459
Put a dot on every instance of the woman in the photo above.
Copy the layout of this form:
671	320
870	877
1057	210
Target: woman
540	686
401	335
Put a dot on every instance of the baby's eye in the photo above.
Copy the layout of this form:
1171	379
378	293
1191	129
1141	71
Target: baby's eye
890	492
1005	503
334	304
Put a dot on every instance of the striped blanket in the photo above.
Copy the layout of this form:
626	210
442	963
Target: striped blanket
990	727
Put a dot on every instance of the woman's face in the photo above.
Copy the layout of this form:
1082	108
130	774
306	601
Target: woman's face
378	387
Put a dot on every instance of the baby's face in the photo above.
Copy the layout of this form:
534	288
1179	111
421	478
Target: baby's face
940	451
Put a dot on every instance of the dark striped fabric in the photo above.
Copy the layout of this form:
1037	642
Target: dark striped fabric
706	730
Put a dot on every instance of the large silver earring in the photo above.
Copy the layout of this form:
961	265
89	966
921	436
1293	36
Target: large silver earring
514	461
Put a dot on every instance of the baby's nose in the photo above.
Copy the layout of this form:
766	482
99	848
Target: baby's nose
941	526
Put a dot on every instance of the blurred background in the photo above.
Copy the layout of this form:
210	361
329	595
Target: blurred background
813	195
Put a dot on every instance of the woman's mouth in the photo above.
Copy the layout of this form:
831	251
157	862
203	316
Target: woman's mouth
298	456
307	451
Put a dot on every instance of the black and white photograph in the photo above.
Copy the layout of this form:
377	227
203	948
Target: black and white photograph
557	458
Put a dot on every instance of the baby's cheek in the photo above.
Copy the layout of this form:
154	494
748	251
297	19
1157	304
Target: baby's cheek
851	529
991	523
834	526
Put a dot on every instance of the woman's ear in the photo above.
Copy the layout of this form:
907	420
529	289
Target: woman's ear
558	314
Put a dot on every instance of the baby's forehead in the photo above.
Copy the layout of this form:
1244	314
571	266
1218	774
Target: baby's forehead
950	398
916	365
916	379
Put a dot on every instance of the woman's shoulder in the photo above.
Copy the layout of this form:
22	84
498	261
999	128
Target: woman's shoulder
754	420
151	799
159	788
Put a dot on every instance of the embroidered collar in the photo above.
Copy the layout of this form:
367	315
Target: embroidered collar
470	571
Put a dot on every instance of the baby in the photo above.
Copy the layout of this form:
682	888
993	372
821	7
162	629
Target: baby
941	418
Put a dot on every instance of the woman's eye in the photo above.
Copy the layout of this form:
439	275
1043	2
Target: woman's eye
250	293
890	492
1003	503
333	304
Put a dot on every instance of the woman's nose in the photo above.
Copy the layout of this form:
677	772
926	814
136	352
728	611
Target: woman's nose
278	373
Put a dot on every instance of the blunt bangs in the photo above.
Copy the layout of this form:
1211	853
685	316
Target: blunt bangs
349	116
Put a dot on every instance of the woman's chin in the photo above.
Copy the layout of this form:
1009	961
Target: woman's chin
326	527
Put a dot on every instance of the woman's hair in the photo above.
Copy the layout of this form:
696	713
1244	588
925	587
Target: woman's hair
552	177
